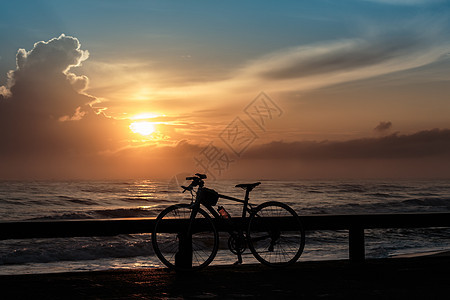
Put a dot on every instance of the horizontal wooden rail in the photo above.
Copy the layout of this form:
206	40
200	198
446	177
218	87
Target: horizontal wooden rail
355	223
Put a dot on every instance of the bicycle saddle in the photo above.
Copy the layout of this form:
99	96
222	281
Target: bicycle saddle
249	186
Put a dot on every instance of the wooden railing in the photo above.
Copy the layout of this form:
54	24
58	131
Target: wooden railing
354	223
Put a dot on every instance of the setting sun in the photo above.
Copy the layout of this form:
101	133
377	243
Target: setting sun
143	128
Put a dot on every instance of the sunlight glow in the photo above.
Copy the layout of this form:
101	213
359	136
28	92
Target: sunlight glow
143	128
146	116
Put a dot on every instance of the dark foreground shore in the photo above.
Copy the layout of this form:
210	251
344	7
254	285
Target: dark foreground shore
401	278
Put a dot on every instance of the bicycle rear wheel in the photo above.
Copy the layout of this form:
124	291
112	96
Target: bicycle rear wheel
171	232
273	240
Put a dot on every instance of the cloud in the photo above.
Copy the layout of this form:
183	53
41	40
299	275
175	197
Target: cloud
424	154
383	127
43	83
43	109
57	55
338	57
340	61
429	143
379	50
49	129
300	68
419	145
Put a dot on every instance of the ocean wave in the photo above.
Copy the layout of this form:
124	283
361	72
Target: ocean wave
315	192
75	249
396	187
75	200
65	216
386	195
127	213
104	214
351	188
442	202
84	202
409	205
145	198
12	201
136	199
425	194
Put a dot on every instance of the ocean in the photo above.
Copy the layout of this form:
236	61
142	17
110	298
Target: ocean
62	200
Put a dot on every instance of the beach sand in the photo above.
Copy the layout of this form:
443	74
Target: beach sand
399	278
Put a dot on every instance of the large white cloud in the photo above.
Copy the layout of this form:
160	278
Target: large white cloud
42	83
57	55
44	111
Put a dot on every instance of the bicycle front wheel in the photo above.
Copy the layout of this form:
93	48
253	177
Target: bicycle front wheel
276	236
169	238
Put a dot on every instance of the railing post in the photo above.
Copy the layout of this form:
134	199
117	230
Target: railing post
183	258
356	243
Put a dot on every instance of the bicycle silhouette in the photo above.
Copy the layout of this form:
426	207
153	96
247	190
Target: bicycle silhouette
274	233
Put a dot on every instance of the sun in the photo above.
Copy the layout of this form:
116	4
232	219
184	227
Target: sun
142	127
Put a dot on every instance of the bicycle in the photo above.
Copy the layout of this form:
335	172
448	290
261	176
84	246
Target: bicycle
185	237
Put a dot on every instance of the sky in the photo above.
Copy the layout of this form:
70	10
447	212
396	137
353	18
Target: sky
350	89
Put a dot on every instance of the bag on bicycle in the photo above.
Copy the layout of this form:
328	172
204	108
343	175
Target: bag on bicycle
207	196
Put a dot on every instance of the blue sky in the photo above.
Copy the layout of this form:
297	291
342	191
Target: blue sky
234	31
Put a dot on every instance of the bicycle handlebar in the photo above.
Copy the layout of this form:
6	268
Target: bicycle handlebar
186	188
197	176
201	176
197	180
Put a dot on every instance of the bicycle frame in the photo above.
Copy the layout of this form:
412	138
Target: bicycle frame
245	209
197	180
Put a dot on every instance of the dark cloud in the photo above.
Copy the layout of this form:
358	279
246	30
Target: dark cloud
383	127
407	156
341	57
431	143
425	154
